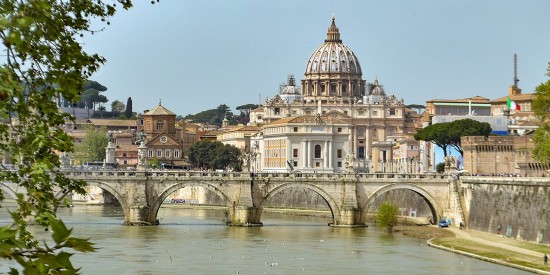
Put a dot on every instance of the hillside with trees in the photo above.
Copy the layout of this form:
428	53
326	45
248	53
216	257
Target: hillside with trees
216	116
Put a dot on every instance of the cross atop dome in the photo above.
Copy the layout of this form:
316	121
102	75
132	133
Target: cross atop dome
333	34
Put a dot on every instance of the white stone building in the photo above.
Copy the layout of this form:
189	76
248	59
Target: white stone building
302	144
333	87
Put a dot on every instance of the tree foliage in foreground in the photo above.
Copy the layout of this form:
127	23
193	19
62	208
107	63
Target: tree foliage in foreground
386	216
448	134
215	155
43	61
541	107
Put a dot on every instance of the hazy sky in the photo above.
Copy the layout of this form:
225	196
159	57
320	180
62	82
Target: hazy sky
196	55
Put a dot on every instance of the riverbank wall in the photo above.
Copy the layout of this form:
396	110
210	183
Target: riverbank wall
514	207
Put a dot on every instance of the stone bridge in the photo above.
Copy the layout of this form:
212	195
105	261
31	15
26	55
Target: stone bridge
349	196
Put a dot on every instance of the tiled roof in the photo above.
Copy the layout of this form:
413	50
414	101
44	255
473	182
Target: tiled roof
113	122
520	97
159	110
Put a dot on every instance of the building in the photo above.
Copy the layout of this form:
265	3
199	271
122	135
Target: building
162	138
304	143
333	86
189	134
501	155
509	150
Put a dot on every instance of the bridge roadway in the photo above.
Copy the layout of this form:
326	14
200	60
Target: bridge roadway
349	196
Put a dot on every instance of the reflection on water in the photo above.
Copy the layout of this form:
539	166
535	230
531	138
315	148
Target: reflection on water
196	241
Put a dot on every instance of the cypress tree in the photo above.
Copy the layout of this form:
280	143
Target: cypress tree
129	113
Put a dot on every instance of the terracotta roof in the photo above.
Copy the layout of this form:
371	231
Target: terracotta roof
127	147
244	129
259	109
158	111
520	97
113	122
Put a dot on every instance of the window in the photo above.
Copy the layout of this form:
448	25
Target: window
159	153
295	153
317	151
160	125
125	162
124	155
317	164
167	153
346	113
176	153
148	125
339	129
361	152
295	129
277	111
150	153
339	153
295	164
339	164
392	111
259	117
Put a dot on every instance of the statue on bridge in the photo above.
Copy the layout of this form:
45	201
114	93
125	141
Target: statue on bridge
350	162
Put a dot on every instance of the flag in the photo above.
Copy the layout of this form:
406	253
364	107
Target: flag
512	105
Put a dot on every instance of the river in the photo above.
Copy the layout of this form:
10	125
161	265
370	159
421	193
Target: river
196	241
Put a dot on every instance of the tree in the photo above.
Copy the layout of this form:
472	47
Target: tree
541	107
467	127
43	61
117	106
386	216
128	112
213	155
448	134
212	116
417	107
92	147
91	94
435	133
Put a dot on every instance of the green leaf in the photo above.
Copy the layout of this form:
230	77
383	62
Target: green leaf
6	233
60	232
82	245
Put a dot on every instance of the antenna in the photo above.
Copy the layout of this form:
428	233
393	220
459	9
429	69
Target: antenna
516	80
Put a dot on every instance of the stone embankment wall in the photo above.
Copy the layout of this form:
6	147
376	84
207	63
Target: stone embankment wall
513	209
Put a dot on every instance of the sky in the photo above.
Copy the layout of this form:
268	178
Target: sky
196	55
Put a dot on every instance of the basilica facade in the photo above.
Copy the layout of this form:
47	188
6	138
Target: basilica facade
334	121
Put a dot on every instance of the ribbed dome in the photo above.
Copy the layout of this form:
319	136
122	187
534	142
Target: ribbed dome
333	56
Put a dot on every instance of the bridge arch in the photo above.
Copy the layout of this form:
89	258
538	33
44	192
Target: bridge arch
332	204
179	185
6	190
435	208
111	189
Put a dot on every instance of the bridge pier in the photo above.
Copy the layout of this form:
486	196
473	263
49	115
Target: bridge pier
246	216
349	217
140	215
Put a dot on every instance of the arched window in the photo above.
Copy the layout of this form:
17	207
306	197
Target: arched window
317	151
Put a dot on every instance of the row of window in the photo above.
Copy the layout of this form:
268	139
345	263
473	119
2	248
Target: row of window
317	152
160	125
392	112
167	153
